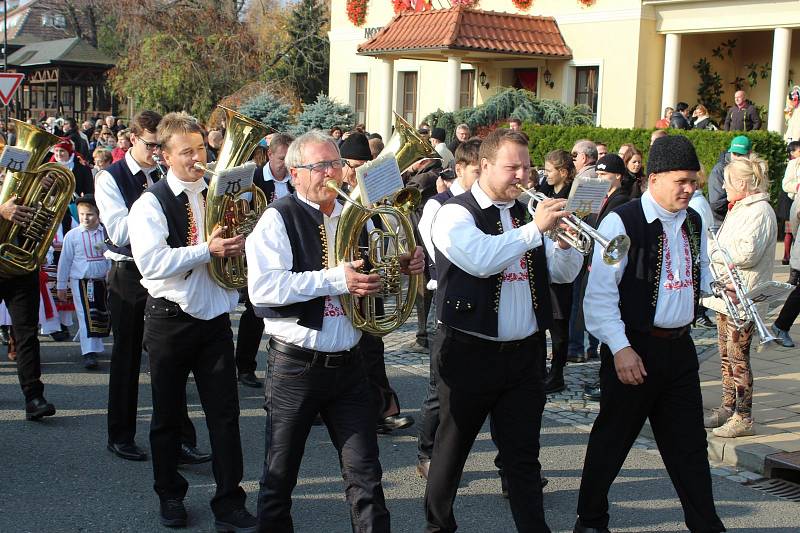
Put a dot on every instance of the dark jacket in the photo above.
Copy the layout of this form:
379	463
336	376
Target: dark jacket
742	119
560	293
84	181
717	197
679	122
706	124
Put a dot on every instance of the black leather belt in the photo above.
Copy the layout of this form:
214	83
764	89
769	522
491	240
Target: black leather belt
668	333
314	357
498	346
127	265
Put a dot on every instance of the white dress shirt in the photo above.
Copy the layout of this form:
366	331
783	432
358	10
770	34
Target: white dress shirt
281	186
270	282
178	274
82	256
111	204
426	221
675	305
455	234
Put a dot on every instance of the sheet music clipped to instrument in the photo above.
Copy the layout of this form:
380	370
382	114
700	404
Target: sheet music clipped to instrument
587	195
379	178
235	179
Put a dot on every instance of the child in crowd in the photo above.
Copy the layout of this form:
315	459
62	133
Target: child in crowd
83	265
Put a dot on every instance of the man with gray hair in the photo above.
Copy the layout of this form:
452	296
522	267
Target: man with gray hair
462	134
584	155
313	366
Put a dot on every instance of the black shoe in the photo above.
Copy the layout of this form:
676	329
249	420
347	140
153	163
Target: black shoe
190	455
554	382
90	361
784	261
60	336
703	322
238	521
173	513
576	358
127	450
4	334
423	466
592	392
391	423
580	528
38	407
249	379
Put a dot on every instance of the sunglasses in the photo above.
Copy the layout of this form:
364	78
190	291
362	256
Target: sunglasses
150	146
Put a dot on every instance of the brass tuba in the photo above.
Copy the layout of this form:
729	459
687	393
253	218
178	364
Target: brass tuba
230	209
23	248
382	247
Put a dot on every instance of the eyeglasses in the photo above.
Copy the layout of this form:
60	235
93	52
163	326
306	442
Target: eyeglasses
321	166
150	146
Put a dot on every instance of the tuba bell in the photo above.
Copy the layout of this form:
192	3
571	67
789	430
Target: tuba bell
23	248
231	209
407	145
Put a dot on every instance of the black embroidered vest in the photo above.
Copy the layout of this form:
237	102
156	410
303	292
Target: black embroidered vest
268	186
178	213
131	186
639	286
306	232
469	303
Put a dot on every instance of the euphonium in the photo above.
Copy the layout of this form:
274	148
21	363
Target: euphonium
380	252
23	248
614	250
230	209
407	145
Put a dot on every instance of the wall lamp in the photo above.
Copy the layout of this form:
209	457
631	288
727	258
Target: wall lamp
548	78
482	80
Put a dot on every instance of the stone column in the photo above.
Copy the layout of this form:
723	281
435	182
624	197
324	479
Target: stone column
387	97
452	83
781	46
672	58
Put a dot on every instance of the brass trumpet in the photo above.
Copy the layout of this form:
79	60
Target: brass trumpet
614	250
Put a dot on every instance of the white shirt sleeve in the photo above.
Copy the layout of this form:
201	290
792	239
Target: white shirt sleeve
270	281
113	211
475	252
601	301
563	265
148	236
425	224
65	261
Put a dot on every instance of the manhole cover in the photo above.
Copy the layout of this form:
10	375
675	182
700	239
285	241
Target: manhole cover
785	490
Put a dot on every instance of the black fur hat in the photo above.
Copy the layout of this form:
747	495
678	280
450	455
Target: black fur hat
673	152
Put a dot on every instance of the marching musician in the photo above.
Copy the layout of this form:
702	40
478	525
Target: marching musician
275	182
187	326
21	296
467	165
493	301
641	310
312	366
117	188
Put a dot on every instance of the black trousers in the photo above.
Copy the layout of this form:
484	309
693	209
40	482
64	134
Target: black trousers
670	398
295	393
385	398
478	378
429	414
21	295
251	329
559	333
423	307
126	301
177	344
791	308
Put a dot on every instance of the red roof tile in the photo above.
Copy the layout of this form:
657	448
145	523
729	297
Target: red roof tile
461	28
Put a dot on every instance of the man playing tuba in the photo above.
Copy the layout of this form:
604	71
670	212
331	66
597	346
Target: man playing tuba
312	367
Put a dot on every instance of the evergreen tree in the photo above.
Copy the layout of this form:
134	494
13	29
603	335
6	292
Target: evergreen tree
324	114
268	109
305	63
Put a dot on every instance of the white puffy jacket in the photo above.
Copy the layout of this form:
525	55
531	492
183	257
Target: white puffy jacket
748	233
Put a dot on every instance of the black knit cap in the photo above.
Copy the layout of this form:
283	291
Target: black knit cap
673	152
438	134
356	147
611	163
86	199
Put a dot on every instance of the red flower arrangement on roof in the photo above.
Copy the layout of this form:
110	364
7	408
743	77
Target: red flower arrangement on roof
465	3
587	3
523	5
401	6
357	11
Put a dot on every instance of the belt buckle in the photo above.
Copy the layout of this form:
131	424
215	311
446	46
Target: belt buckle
329	358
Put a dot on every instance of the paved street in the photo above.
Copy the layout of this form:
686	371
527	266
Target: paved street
62	465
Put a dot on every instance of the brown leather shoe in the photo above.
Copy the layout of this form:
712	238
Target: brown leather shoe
423	465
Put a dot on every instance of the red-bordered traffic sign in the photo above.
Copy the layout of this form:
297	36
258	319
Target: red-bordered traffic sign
9	82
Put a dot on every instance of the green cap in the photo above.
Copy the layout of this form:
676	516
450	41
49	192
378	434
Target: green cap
740	145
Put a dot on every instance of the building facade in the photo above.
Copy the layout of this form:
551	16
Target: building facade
627	60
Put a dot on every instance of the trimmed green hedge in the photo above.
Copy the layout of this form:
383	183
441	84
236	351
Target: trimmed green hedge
709	144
